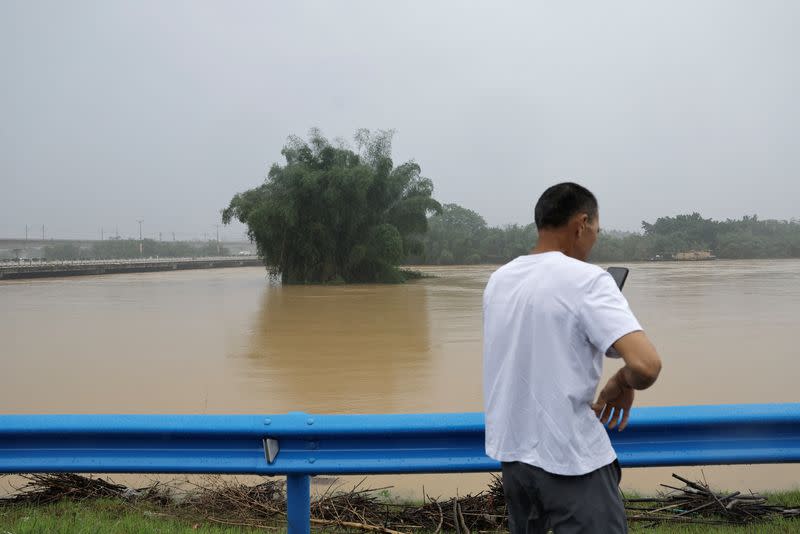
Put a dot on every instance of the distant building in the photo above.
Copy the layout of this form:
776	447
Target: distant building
695	255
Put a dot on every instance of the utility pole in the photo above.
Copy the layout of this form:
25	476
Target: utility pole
101	233
140	221
218	252
42	232
26	233
117	229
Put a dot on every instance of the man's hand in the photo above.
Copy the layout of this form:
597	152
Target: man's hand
615	401
642	366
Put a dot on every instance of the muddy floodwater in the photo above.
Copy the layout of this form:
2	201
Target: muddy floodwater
230	341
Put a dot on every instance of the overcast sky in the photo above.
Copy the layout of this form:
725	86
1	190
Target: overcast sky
116	111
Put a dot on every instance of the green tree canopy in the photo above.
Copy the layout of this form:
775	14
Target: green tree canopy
332	213
747	237
459	235
454	235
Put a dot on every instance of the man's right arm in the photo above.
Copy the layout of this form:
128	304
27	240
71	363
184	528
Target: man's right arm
642	366
608	322
642	363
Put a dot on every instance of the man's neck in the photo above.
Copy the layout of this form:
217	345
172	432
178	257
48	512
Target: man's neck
551	242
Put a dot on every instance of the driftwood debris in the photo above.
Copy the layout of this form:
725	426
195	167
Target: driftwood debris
225	500
52	487
696	502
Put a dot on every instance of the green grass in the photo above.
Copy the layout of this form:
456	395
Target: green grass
122	517
789	499
780	526
107	516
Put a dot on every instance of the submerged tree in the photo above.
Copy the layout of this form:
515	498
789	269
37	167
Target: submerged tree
334	214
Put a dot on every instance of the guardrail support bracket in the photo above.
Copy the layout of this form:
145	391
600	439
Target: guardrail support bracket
271	449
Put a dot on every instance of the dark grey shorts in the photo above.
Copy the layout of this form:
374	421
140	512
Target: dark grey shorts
539	501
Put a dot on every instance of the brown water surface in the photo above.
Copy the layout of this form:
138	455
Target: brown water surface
230	341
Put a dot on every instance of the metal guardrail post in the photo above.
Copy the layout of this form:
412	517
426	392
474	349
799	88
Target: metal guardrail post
298	504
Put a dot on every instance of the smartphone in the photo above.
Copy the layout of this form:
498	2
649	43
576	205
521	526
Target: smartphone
620	274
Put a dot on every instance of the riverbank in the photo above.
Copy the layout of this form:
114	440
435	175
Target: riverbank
76	504
58	269
70	517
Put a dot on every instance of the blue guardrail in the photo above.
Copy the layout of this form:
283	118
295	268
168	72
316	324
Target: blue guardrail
299	445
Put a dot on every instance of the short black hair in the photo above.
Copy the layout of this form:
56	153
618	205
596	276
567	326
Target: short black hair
560	202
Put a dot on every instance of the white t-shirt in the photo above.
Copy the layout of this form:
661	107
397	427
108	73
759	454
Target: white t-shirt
548	320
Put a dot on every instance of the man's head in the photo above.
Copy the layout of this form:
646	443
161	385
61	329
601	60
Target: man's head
567	214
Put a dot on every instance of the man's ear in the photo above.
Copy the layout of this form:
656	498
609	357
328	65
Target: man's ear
581	220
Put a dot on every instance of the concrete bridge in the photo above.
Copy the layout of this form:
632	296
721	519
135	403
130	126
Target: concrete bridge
43	269
34	248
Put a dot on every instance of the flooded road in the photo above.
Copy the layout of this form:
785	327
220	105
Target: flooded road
229	341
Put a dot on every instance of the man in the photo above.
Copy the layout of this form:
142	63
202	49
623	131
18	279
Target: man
549	318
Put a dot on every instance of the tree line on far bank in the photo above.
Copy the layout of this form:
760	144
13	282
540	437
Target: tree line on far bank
461	236
332	213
